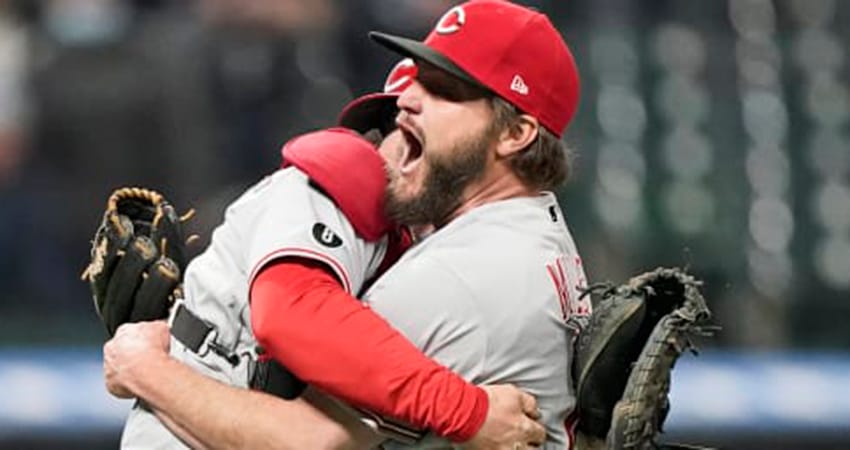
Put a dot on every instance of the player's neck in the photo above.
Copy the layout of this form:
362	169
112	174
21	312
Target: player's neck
500	184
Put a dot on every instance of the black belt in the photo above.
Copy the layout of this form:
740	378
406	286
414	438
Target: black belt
192	332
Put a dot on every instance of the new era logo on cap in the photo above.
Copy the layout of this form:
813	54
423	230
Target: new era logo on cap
518	85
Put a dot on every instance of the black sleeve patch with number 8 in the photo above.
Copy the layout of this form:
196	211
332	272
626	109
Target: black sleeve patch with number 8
326	236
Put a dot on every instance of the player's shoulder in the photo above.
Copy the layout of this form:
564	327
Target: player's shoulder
518	222
288	184
499	238
349	170
288	199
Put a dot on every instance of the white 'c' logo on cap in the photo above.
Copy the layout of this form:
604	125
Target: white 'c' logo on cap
451	21
400	76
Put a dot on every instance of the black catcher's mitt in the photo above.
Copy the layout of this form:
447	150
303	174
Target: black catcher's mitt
625	356
138	257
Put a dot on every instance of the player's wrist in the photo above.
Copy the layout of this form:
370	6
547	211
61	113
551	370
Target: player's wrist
148	371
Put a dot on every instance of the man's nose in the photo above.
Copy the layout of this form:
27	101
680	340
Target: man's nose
410	100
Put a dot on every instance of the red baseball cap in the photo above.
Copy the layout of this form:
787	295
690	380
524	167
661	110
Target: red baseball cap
378	110
509	49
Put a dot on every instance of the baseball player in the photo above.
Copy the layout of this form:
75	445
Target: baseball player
494	291
299	244
500	279
499	282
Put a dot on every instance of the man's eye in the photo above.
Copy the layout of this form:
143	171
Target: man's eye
443	89
434	86
446	93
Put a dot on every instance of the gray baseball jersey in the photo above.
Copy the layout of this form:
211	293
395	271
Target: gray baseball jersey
280	216
494	295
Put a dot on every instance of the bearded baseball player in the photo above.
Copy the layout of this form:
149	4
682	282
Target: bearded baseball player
493	292
500	280
298	245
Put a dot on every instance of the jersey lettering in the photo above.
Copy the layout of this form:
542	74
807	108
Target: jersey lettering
568	277
583	308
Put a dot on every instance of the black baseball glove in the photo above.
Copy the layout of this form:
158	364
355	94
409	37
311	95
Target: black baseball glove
625	356
138	256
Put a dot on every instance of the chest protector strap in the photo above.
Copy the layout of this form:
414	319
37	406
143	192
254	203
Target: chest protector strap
194	333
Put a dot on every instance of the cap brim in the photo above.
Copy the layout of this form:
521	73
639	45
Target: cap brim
418	50
370	111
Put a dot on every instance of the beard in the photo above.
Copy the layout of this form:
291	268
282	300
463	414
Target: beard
444	184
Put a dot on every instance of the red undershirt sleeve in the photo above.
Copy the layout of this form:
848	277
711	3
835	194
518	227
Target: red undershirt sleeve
303	318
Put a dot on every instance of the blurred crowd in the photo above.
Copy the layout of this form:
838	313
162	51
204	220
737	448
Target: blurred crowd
190	98
711	134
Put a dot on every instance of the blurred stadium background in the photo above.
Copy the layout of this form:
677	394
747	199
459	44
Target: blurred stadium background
711	134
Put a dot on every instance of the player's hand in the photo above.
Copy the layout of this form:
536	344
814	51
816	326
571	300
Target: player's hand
133	346
511	422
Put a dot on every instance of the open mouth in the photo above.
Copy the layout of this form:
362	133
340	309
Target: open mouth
413	150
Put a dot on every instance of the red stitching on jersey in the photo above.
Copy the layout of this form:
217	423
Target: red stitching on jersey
308	253
565	280
562	286
570	424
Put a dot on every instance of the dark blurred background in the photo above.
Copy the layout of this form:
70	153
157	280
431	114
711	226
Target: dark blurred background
711	134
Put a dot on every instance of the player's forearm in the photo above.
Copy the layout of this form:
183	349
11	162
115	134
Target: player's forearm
305	320
182	433
220	416
180	394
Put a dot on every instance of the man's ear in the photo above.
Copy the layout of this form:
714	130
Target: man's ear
518	136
